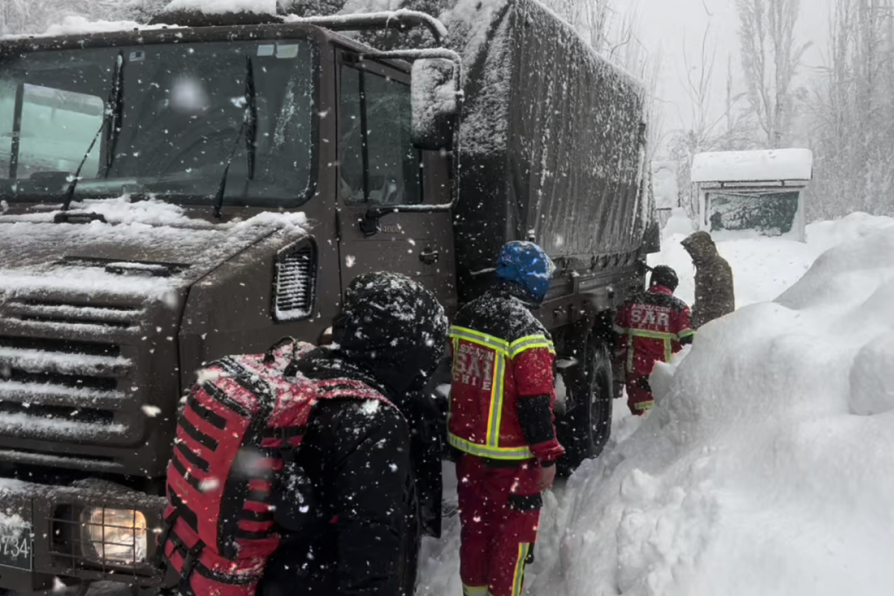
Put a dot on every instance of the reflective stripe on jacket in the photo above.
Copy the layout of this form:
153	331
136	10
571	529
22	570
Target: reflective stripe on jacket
483	418
652	325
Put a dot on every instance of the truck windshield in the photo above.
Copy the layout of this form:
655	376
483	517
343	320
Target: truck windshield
163	120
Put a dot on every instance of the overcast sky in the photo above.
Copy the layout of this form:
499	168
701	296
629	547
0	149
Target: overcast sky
669	26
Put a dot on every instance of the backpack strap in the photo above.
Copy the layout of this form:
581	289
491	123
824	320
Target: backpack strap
270	354
250	381
332	389
351	389
190	555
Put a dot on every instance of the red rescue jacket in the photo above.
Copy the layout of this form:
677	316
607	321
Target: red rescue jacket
652	326
502	396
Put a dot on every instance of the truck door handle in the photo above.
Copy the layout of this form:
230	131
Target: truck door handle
429	256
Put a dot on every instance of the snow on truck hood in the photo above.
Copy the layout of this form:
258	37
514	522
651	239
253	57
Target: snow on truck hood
146	248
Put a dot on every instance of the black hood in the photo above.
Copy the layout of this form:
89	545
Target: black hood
700	246
392	333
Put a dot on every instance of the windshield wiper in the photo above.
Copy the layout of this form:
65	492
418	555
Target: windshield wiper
219	198
251	116
69	193
249	128
113	114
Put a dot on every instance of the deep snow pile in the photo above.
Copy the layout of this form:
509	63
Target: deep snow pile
762	267
763	469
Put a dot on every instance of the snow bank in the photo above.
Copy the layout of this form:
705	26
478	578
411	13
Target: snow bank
762	267
824	235
753	475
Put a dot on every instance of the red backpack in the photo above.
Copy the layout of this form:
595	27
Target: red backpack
239	418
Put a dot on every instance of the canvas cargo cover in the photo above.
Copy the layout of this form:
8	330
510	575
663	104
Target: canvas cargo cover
552	139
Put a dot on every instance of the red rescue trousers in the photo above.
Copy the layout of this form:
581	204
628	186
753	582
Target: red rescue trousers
639	393
499	510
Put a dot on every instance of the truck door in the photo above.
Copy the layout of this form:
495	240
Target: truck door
379	167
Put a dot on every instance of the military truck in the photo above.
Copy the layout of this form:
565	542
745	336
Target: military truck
172	194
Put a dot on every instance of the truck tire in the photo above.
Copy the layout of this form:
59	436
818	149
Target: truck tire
586	426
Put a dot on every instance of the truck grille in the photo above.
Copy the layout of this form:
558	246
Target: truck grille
70	390
295	282
69	314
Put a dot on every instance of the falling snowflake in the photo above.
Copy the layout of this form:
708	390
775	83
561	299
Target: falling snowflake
209	484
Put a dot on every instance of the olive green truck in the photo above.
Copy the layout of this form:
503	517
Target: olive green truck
173	194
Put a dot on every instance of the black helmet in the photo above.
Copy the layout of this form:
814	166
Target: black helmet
662	275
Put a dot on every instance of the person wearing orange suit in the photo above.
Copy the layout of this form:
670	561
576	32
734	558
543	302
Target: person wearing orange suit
501	422
652	326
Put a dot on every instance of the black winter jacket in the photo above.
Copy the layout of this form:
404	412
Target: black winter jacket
342	510
348	496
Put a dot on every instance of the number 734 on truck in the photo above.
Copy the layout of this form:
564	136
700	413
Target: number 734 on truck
175	193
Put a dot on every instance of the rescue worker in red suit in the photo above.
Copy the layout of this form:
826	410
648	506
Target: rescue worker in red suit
653	326
501	422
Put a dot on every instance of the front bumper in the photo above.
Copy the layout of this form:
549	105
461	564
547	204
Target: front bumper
41	537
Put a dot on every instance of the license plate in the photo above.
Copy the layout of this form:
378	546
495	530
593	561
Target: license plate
15	547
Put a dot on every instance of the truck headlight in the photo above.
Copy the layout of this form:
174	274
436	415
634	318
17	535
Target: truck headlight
117	535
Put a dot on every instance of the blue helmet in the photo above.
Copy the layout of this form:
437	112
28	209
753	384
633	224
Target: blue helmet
527	265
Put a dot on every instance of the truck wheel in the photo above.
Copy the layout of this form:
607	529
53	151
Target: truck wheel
585	428
601	400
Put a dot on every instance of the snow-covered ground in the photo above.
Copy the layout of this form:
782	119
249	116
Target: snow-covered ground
765	467
762	267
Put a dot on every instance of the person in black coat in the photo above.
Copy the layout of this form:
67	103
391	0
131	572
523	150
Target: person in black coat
347	511
715	294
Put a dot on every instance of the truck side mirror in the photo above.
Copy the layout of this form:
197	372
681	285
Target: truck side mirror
435	97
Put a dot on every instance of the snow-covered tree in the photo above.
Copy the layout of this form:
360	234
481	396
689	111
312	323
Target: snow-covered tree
853	113
709	129
770	59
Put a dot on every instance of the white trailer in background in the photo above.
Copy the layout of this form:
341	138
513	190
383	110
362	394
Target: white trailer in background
753	190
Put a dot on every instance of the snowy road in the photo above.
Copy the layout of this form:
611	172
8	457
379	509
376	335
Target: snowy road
439	559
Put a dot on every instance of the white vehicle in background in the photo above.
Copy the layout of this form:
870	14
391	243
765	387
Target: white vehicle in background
761	191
